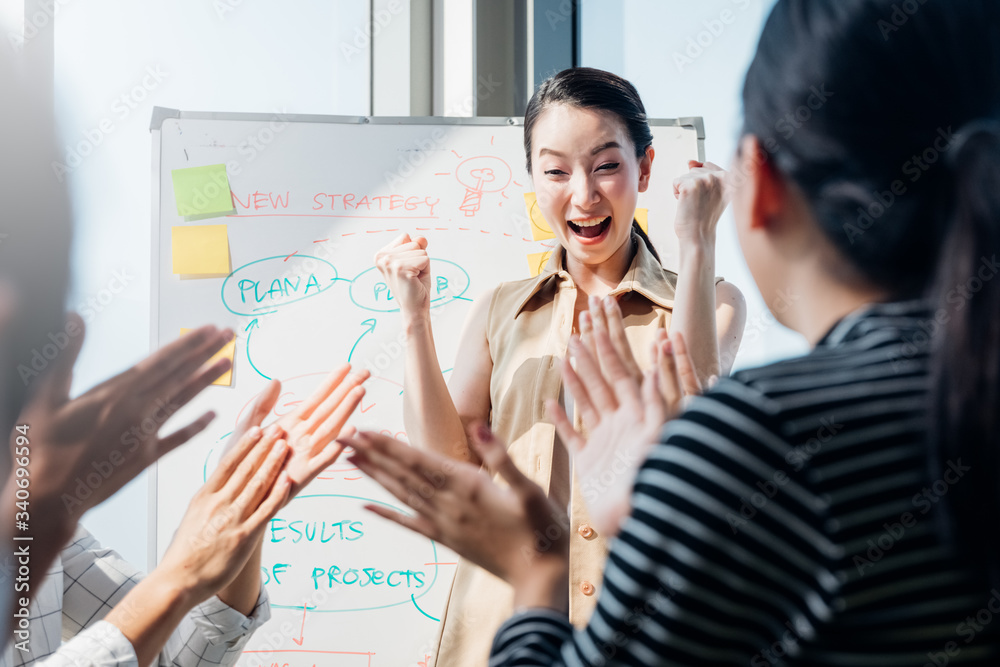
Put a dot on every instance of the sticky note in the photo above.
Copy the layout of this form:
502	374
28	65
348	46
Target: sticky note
537	261
200	249
228	351
540	229
202	191
642	217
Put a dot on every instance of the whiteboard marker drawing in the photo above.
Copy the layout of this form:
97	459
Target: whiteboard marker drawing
484	173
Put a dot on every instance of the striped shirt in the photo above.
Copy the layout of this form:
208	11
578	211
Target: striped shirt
787	518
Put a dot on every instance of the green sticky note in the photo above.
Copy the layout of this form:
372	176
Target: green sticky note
201	191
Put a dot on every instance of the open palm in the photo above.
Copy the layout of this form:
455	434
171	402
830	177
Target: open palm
312	428
622	414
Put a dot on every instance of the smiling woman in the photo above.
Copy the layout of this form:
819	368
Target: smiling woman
589	192
589	151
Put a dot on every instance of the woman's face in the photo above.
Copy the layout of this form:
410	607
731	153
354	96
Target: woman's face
587	179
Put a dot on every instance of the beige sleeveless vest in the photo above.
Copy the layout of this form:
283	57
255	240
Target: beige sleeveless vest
530	322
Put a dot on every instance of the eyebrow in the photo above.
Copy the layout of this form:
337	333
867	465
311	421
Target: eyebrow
597	149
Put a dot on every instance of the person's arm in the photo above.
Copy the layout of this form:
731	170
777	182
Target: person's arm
221	528
468	511
695	581
730	321
689	580
436	418
209	631
161	621
62	440
469	386
621	415
95	579
708	316
310	431
694	305
165	614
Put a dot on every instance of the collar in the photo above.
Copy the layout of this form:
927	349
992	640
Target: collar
644	276
902	316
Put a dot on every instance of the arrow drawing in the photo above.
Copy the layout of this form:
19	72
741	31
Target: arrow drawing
371	327
250	327
302	629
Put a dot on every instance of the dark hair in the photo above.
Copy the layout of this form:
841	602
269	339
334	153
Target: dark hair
869	106
589	88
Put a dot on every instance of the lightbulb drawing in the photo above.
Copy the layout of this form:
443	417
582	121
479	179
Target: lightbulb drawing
483	173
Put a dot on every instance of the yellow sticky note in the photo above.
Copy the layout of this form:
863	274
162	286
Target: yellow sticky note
200	249
202	191
642	217
540	229
228	351
537	261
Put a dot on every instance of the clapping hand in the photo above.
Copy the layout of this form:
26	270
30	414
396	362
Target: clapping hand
227	517
621	412
312	429
459	505
113	429
262	469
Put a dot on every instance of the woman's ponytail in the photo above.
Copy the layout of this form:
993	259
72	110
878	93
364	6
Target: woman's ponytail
636	229
965	362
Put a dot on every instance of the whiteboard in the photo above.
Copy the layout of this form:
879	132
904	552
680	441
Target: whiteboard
314	198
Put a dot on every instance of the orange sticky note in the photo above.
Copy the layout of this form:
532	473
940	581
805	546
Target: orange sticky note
228	351
537	261
540	229
642	217
200	249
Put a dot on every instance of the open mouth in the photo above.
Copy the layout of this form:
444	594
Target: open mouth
590	229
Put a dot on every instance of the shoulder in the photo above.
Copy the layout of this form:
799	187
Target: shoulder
728	445
81	542
84	550
480	311
728	293
731	413
723	434
758	412
770	411
872	358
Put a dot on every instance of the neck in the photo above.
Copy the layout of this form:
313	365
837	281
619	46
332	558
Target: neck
818	301
599	279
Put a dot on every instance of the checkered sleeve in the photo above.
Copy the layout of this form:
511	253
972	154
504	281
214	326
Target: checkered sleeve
96	579
214	633
101	645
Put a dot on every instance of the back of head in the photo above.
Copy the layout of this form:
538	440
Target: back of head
883	113
34	240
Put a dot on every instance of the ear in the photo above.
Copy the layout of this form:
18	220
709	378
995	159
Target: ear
766	187
645	167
